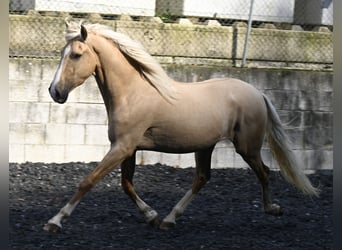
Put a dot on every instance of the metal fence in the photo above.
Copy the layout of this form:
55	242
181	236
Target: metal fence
272	31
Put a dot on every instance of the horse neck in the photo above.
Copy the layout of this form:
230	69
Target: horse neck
115	76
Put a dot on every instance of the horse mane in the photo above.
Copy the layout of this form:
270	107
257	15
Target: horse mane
146	64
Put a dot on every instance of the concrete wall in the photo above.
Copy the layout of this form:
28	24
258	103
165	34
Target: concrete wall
42	36
43	131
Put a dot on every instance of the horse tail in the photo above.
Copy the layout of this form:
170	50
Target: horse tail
279	144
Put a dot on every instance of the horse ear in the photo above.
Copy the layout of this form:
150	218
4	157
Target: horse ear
66	21
84	33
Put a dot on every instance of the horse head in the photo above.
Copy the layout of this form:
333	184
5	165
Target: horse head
78	62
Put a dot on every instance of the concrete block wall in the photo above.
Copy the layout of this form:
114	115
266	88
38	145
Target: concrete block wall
289	46
176	40
43	131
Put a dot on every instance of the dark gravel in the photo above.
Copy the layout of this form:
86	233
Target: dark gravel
225	215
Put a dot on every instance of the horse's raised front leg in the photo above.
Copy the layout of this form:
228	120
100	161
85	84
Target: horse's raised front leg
112	159
127	171
203	160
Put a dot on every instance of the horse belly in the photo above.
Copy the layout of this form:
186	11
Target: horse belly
183	136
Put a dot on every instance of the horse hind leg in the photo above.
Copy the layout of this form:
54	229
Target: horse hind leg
262	173
203	160
127	172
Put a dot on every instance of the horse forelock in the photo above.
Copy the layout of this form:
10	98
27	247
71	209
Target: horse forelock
73	30
150	68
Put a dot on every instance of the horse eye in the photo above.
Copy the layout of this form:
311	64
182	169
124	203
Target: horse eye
75	56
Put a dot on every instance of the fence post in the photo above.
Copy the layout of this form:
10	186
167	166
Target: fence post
245	48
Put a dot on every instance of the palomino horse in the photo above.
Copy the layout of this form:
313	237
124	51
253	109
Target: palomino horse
149	111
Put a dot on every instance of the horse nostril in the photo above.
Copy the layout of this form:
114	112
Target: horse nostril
53	92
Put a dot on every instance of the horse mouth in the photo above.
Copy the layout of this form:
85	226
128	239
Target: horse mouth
60	100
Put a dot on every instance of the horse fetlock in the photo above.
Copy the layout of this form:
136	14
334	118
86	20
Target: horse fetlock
54	224
274	209
151	215
178	211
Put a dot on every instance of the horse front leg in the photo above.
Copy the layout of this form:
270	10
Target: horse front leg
127	172
112	159
203	160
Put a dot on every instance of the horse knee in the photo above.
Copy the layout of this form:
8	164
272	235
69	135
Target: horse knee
85	185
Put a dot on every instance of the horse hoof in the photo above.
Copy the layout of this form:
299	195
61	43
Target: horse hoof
52	228
154	222
166	225
275	210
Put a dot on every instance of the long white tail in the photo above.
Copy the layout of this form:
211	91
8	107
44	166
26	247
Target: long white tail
279	144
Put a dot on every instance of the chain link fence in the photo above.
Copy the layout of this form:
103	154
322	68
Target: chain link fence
257	31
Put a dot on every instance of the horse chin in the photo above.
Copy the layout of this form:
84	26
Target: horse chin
61	100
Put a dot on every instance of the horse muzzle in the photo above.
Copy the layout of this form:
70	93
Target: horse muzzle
57	95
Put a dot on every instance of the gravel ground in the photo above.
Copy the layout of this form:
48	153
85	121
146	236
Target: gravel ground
225	215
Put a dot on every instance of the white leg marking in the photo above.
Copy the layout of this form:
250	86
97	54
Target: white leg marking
149	213
178	210
63	213
58	74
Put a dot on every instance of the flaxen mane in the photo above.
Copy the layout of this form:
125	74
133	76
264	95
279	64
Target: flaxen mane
149	67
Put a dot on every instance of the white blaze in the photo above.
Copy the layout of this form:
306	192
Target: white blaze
58	74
